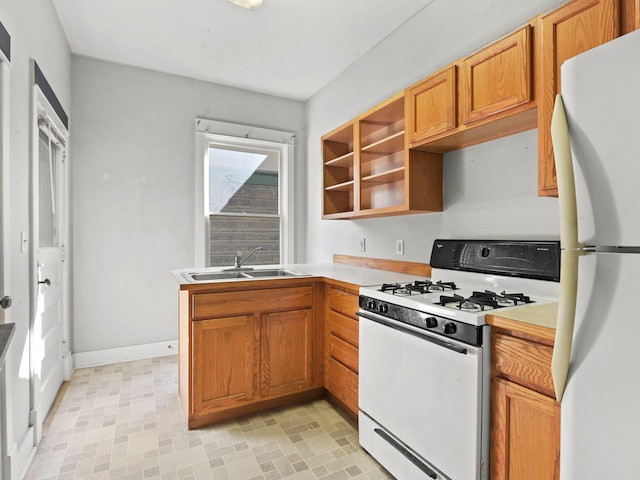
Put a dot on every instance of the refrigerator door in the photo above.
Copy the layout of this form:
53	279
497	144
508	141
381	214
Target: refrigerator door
600	420
601	94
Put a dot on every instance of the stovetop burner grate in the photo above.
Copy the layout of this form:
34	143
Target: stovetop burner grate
418	287
479	301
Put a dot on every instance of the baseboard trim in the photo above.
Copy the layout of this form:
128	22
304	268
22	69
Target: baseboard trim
125	354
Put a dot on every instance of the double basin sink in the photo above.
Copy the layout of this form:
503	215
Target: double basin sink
242	274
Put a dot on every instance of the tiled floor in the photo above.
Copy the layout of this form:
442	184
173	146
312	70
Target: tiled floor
124	421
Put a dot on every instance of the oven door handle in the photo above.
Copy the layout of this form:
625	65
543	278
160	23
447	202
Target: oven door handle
428	338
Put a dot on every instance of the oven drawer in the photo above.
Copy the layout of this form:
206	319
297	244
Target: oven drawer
343	302
343	327
343	352
343	384
524	362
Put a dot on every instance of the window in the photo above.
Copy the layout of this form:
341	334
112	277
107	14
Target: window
246	195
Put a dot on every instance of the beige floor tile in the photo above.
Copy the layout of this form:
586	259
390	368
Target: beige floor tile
125	422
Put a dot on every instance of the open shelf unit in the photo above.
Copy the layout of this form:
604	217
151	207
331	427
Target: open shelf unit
338	172
369	170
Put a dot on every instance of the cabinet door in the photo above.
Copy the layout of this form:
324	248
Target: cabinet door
525	433
224	363
431	106
286	352
497	78
564	33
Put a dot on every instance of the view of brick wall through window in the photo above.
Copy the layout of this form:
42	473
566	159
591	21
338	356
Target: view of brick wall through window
231	233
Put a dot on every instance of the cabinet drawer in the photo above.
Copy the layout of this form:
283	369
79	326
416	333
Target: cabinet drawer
224	304
343	302
343	352
343	327
524	362
343	384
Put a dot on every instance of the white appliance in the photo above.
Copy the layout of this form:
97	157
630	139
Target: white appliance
424	366
596	138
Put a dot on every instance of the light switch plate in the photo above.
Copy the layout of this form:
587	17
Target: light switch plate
400	247
362	244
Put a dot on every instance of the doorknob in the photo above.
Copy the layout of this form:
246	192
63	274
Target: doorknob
46	282
5	302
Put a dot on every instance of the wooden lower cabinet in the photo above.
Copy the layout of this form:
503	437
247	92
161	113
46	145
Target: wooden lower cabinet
225	359
341	346
247	347
525	428
286	352
525	417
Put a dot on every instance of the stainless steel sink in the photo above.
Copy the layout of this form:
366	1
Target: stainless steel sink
242	274
279	272
200	277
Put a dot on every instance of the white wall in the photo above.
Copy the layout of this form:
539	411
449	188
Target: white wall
503	203
133	200
35	34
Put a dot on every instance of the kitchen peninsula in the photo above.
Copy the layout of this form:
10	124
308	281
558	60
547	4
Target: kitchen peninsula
250	345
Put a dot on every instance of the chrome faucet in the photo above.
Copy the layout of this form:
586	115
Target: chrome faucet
240	260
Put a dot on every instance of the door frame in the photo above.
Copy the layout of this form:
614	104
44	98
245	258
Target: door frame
5	315
4	183
40	104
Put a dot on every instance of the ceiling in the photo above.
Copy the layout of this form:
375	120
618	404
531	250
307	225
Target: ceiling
289	48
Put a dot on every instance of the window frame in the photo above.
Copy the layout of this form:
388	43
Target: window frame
221	134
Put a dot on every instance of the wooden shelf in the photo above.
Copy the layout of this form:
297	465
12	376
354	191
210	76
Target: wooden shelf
344	161
390	176
388	145
341	187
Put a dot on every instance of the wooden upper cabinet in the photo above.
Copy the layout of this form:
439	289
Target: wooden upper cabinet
564	33
431	106
497	78
482	97
629	15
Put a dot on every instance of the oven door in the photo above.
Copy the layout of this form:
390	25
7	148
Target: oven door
422	399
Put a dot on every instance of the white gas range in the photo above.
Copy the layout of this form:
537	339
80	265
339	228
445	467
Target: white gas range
424	367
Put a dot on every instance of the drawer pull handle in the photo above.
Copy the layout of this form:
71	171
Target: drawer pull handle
409	456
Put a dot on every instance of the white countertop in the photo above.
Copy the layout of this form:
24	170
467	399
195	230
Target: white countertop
544	315
360	276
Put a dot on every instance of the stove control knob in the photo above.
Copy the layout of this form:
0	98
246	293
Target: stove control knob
431	322
371	304
449	328
383	308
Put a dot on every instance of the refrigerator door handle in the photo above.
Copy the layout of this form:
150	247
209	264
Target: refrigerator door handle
571	248
565	176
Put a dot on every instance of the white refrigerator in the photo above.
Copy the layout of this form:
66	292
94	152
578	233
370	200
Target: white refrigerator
596	362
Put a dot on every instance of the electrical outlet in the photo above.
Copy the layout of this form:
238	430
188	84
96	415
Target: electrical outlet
400	247
362	245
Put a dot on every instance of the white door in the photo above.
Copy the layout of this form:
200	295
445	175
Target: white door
5	299
50	270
